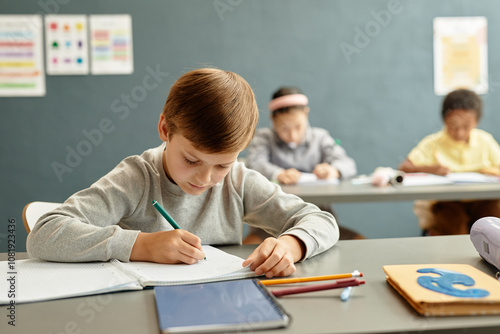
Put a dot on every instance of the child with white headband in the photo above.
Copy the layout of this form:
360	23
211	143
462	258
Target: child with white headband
291	147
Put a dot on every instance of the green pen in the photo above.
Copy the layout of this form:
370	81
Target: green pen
167	216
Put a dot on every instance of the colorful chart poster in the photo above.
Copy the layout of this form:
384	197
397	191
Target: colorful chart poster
111	44
21	56
460	54
66	44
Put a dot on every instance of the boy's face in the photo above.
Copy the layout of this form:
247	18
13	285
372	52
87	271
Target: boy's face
291	126
459	123
192	170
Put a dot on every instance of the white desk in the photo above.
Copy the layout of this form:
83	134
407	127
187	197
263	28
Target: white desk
346	192
373	308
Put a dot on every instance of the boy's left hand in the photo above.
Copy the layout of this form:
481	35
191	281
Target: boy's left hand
276	257
326	171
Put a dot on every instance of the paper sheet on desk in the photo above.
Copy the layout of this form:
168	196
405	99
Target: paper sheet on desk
472	178
311	179
362	179
424	179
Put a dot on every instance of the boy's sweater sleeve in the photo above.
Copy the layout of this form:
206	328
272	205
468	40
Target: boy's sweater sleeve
84	228
259	155
269	208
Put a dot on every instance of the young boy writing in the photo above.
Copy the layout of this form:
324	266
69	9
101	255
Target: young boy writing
209	117
292	147
458	147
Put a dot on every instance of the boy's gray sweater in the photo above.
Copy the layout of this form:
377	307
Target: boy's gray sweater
102	222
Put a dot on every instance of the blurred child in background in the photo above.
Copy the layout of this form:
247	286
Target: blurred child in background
458	147
292	147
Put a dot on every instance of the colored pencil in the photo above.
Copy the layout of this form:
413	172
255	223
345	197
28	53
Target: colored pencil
310	278
342	283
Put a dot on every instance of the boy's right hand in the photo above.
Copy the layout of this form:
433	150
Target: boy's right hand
289	176
176	246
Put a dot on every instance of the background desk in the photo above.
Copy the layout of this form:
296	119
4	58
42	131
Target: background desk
346	192
373	308
386	212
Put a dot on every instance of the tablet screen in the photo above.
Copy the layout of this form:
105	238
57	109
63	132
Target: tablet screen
239	305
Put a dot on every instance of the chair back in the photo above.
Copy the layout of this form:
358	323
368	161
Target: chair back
34	210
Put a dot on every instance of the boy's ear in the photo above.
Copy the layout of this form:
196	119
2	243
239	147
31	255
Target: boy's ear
162	128
306	110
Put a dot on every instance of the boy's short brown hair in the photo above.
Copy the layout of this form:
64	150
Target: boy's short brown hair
214	109
463	99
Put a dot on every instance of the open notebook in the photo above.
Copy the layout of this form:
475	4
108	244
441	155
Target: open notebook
37	280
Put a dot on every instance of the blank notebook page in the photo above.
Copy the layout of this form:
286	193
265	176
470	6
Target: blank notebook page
218	264
38	280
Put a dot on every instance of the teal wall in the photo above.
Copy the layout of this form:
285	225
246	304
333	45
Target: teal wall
379	102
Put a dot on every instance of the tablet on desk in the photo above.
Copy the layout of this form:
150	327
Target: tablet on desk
238	305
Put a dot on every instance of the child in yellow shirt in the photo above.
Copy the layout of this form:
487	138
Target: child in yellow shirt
458	147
